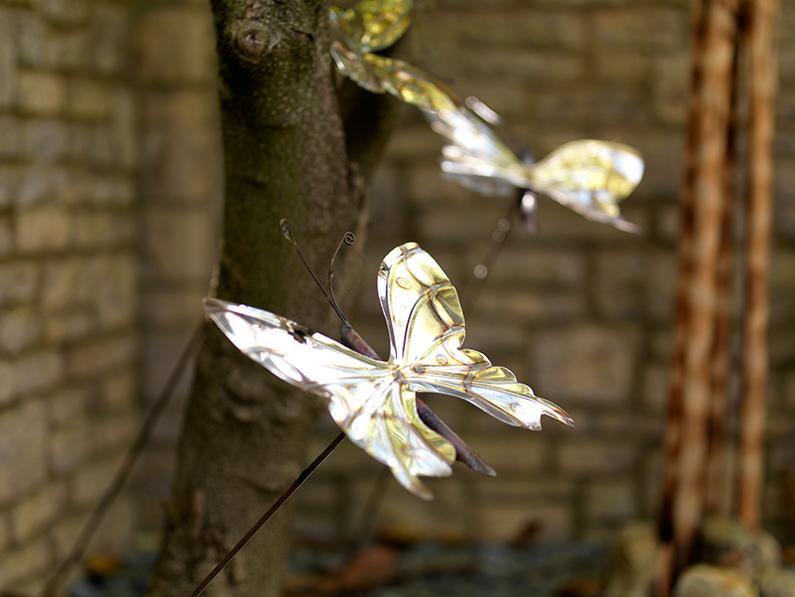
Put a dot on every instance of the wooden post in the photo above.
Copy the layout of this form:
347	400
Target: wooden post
715	502
714	29
762	89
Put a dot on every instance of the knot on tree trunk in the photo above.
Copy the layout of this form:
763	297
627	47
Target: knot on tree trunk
251	40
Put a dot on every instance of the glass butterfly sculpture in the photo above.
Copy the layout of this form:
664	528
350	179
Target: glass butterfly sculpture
374	401
588	176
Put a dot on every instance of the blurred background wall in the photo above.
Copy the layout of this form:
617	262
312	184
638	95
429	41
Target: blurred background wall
110	183
69	271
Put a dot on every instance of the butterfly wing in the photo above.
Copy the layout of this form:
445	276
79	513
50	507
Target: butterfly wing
389	429
475	157
427	331
468	374
372	25
379	74
591	177
365	399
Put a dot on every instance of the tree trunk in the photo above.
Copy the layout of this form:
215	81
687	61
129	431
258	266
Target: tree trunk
285	157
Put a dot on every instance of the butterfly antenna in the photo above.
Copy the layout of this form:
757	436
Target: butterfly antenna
349	239
287	233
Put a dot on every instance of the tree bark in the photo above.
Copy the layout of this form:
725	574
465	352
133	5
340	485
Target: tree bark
285	156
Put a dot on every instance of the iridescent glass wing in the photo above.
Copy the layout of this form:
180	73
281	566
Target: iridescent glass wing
379	74
468	374
427	331
365	399
476	156
590	176
372	25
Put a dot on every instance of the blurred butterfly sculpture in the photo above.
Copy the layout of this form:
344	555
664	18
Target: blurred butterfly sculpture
588	176
374	401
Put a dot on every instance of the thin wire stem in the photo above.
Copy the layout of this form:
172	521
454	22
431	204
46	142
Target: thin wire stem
125	469
348	238
285	495
497	240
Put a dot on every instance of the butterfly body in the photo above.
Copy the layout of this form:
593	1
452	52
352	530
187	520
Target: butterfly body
374	401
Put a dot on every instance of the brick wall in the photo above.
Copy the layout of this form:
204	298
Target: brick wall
68	274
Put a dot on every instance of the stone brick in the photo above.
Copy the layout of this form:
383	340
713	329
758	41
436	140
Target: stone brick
42	228
113	434
782	286
22	449
7	375
185	36
107	36
31	514
588	363
610	500
92	480
101	229
649	29
8	59
163	351
5	532
45	139
18	281
31	40
510	451
507	522
118	392
115	298
21	563
180	131
90	359
525	263
593	456
6	235
66	12
69	446
10	135
41	182
37	371
635	285
177	244
20	328
42	94
87	98
656	385
520	28
68	326
172	308
622	68
531	306
124	129
65	283
64	532
522	67
68	405
8	180
671	80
